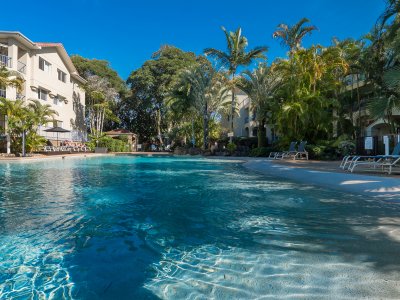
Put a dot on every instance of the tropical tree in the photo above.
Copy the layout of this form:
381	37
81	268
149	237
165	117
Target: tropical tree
23	121
384	106
145	108
235	56
261	85
292	36
9	79
201	89
41	113
100	96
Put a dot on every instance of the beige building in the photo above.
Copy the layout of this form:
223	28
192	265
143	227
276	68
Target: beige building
244	122
49	76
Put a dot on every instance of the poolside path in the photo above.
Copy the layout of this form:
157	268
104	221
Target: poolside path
328	174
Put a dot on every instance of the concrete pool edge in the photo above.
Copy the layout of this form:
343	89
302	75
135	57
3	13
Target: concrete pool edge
372	186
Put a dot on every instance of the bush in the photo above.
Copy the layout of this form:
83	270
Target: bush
231	147
262	151
346	148
113	145
322	152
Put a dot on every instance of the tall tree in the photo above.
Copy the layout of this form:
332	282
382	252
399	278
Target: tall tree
144	110
100	97
9	79
202	88
261	85
292	36
235	56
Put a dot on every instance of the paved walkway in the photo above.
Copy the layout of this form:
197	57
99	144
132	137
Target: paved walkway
328	174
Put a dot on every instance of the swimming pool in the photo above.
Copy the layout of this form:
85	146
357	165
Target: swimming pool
182	228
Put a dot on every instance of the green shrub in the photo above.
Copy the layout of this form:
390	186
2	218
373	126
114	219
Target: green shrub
322	152
263	151
113	145
346	148
231	147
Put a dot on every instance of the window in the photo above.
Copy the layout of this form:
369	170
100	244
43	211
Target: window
62	76
57	123
44	65
42	94
58	100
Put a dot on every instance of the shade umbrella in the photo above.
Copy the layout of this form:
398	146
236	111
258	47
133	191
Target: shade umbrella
57	130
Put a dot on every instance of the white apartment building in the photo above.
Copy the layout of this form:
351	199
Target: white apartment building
49	76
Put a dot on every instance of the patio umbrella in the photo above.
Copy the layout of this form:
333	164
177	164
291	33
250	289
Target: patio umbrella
57	130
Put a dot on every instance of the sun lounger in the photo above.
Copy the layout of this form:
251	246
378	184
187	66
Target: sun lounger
349	160
375	162
292	148
300	153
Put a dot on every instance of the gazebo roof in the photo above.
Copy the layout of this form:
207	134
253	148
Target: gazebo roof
119	132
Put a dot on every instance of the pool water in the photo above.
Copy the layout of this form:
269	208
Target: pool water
129	227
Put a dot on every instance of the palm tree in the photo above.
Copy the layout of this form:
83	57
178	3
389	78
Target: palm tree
201	90
292	36
41	114
384	105
6	79
235	56
14	112
260	85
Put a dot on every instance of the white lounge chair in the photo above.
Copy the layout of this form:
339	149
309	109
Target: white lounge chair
349	160
292	148
378	162
300	153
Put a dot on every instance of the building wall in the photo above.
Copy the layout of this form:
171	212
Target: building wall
244	123
71	110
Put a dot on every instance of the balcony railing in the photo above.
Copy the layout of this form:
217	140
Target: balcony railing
5	61
21	67
246	120
20	96
3	93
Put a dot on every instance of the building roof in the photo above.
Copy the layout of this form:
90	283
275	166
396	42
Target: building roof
119	131
37	46
64	55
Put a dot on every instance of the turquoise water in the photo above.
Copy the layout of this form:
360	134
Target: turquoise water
171	228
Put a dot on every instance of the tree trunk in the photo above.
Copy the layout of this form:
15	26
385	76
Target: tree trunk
205	127
232	111
262	134
359	105
158	115
7	135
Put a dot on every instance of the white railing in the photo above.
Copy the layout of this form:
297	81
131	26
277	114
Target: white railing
74	135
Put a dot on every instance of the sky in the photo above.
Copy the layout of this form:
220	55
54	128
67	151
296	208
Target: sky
126	33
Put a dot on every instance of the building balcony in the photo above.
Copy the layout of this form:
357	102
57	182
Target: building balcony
3	93
5	61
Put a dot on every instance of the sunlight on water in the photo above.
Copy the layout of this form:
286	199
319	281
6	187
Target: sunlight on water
188	228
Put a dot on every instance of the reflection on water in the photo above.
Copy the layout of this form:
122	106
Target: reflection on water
147	228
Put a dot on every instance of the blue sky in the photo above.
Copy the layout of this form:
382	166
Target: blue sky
126	33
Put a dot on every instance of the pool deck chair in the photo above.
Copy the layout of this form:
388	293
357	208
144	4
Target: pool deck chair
385	162
275	155
349	160
300	153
